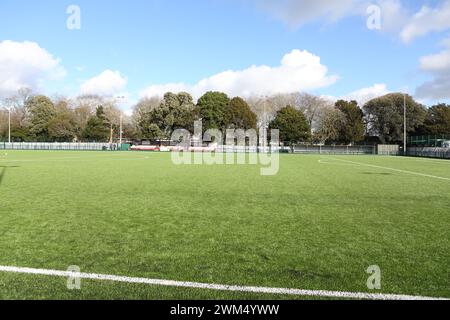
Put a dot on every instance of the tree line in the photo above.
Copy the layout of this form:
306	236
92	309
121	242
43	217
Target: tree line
300	117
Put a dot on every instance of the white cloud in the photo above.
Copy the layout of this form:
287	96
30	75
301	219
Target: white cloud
26	64
362	96
436	89
108	83
427	20
298	12
439	62
299	71
365	94
161	89
438	65
396	16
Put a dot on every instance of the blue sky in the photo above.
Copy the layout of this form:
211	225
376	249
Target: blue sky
152	45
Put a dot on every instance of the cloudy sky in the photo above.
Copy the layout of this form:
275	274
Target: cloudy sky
133	48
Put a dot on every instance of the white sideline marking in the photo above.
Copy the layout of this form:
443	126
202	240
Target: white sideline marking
392	169
218	287
418	159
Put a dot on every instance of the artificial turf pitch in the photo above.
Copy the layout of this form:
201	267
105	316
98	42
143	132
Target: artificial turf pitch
318	224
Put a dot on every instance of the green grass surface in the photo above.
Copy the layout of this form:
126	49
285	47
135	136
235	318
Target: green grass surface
318	224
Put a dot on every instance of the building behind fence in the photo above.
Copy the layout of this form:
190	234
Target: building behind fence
436	141
431	146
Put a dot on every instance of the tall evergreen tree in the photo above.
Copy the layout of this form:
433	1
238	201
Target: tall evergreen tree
239	115
353	129
212	107
97	128
293	126
41	110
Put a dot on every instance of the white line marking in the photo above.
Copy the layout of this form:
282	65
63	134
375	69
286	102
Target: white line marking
339	164
392	169
419	159
218	287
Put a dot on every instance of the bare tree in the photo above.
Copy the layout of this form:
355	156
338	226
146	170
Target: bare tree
20	117
313	107
266	107
84	108
144	106
329	125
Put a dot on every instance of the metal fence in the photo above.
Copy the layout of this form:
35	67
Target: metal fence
441	153
58	146
350	150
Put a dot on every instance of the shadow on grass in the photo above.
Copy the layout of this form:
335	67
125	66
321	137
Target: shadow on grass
378	173
3	171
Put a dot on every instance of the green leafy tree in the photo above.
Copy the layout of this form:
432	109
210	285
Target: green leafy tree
384	117
437	120
176	111
182	111
293	126
353	129
82	114
61	127
212	107
97	128
41	110
3	125
239	115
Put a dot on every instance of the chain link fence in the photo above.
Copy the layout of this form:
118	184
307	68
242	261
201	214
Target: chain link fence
350	150
427	152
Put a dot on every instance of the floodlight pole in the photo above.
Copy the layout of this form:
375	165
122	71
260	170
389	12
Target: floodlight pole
265	127
121	128
404	125
121	122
